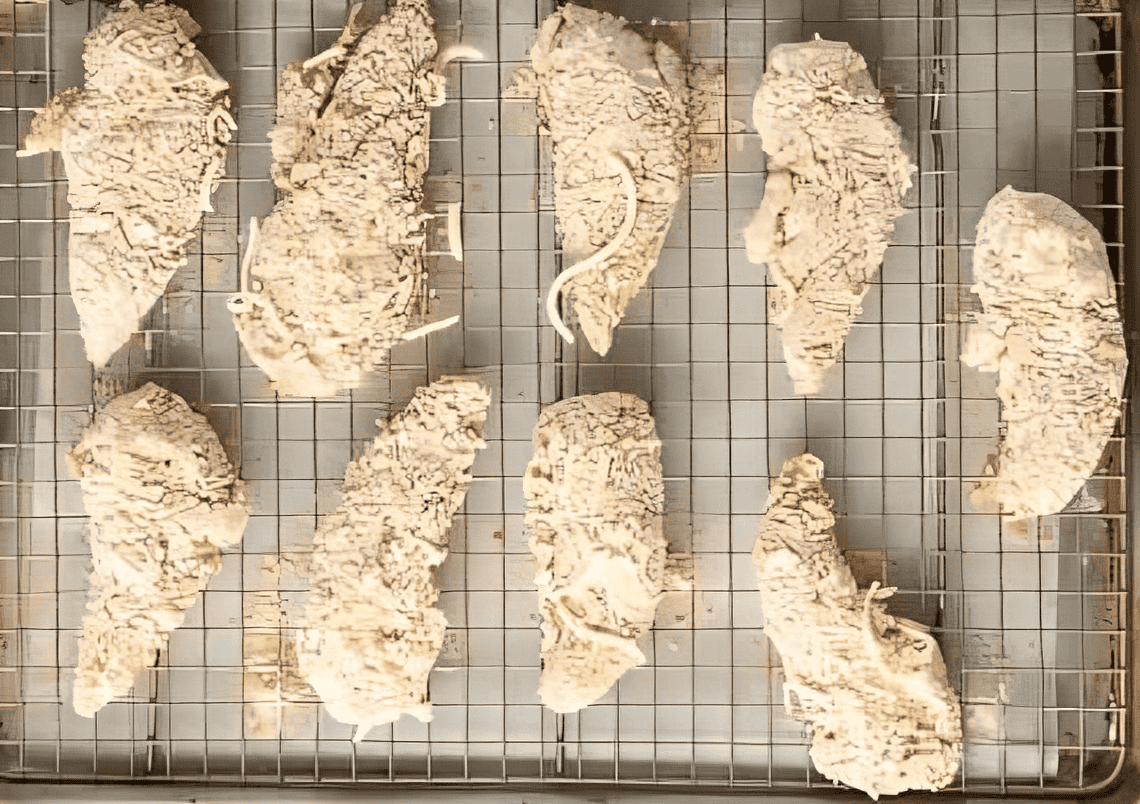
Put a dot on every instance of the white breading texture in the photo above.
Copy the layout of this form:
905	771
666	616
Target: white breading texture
1051	329
371	629
837	175
164	500
873	688
595	497
335	276
616	106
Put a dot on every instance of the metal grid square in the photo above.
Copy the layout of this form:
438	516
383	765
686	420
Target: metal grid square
988	93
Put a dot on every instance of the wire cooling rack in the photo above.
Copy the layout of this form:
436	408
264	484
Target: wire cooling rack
1021	92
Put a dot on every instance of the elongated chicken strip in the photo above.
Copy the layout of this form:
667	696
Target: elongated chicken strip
372	632
164	500
595	500
335	276
144	145
615	104
1052	331
837	175
872	687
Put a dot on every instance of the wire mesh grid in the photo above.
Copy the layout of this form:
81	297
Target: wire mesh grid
988	92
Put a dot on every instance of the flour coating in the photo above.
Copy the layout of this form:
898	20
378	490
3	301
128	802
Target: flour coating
595	498
616	107
837	174
1051	329
144	145
335	277
872	687
371	630
164	500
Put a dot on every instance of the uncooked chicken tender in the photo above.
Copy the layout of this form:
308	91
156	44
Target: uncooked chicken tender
595	497
1052	331
371	630
615	105
335	277
144	145
164	500
837	175
872	687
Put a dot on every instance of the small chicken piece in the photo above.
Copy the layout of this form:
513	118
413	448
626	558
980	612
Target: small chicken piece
872	687
164	500
372	632
837	175
615	105
144	145
334	277
595	500
1052	331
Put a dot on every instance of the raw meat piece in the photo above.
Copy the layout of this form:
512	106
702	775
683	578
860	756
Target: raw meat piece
594	497
335	276
164	500
372	632
837	175
615	104
144	144
1051	330
872	687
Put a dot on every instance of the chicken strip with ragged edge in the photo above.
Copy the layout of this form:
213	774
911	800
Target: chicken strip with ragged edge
164	500
371	630
872	687
595	498
335	276
837	175
616	107
1051	329
144	145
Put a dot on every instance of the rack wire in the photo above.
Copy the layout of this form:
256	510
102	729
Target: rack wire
988	92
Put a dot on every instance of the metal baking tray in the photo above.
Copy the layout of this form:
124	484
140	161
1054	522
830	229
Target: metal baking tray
1035	627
